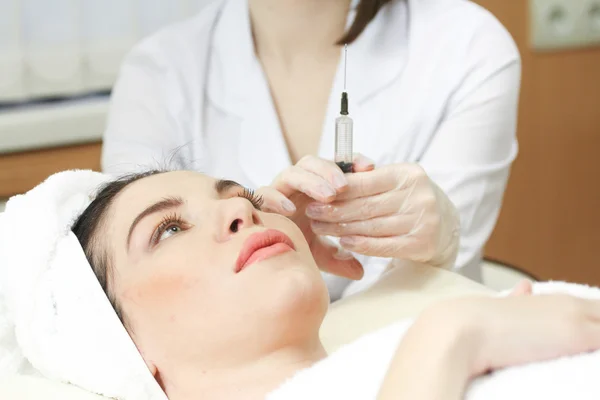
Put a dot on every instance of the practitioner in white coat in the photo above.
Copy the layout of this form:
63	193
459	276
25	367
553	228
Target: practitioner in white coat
249	88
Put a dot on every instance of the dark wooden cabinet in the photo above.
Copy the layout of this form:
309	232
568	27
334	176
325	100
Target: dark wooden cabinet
550	222
20	172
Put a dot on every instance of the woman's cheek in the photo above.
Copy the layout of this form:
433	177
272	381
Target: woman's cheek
159	290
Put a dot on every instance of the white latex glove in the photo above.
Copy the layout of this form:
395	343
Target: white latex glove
394	211
312	179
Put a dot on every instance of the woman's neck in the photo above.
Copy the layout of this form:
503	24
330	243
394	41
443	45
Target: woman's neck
248	380
289	29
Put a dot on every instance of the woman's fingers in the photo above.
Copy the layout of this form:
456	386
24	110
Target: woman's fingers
523	288
593	307
537	328
586	317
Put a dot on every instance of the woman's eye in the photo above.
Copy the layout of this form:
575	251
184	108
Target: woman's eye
170	231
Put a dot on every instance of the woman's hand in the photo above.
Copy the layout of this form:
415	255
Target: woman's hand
313	179
394	211
458	340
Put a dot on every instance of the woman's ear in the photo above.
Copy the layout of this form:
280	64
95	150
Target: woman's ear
159	379
155	373
152	368
149	363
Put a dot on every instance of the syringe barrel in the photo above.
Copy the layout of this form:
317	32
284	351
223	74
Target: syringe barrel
343	141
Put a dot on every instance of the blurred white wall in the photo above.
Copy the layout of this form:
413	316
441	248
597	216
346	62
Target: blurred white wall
56	48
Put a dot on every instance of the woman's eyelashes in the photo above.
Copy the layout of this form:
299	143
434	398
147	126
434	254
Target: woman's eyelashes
170	225
248	194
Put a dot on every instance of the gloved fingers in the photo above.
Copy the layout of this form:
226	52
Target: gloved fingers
360	209
361	163
390	225
370	183
403	247
296	179
319	179
326	169
275	201
384	179
448	229
395	211
335	260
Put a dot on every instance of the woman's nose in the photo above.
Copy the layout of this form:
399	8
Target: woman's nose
236	214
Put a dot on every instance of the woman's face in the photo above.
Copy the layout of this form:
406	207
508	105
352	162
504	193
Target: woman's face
202	275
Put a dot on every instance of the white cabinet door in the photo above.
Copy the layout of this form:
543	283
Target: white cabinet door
193	6
11	56
155	14
52	62
110	29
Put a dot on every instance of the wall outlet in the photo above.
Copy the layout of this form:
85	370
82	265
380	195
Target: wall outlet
564	24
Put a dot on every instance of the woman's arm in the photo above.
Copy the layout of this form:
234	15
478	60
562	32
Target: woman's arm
486	334
430	366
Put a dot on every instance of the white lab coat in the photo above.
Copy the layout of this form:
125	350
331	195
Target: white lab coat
434	82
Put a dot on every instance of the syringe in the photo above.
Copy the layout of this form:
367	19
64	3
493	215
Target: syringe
343	129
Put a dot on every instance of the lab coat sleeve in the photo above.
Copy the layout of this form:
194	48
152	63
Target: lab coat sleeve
471	153
141	133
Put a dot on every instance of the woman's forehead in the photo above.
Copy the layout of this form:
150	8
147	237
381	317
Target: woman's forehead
150	189
166	183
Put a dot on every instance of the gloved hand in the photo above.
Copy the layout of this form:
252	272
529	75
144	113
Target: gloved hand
313	179
393	211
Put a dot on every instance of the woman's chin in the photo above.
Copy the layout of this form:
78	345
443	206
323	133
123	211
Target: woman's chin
297	291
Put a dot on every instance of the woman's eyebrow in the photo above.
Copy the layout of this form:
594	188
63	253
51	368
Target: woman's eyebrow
222	185
165	204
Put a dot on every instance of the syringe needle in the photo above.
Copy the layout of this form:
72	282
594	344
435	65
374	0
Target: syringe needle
345	63
343	129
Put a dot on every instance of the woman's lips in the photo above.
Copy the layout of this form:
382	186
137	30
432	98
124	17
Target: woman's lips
262	245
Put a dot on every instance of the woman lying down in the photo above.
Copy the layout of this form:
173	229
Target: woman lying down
225	301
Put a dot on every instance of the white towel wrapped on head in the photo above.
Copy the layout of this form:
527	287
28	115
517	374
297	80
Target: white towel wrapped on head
54	317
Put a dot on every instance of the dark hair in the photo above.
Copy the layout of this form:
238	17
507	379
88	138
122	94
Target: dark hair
88	226
365	13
